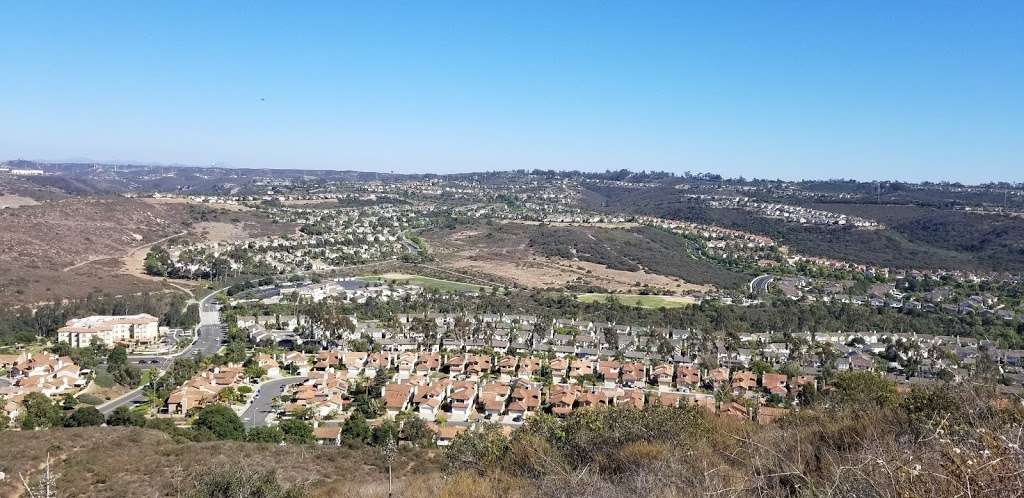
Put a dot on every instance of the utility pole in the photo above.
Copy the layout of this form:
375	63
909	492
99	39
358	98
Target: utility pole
389	451
47	487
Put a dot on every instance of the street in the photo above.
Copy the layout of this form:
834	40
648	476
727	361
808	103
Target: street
210	331
760	284
256	414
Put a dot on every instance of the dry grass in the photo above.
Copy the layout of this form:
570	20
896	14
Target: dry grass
502	252
182	202
124	462
13	201
218	231
38	242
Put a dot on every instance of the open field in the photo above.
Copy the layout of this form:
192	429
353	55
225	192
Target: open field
219	231
504	251
639	300
182	202
425	282
13	201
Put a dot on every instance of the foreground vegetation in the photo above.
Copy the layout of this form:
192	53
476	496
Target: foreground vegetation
859	437
940	441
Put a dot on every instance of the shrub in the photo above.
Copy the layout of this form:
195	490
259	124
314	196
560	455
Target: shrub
236	482
296	431
220	421
863	388
264	435
123	416
90	399
104	379
84	417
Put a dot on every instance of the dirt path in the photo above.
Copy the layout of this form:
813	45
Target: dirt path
135	250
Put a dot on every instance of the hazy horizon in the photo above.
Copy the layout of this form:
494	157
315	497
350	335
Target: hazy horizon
917	91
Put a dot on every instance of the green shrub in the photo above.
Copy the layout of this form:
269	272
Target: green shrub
90	399
104	379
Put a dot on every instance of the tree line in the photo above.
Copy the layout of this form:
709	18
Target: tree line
23	324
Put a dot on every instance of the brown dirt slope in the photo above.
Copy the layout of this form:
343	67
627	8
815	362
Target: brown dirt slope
37	244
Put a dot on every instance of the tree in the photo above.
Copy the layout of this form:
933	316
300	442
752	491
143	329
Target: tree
5	418
254	371
220	421
356	429
229	395
87	416
158	262
264	435
384	434
39	412
119	368
122	416
118	357
297	431
808	395
863	388
415	430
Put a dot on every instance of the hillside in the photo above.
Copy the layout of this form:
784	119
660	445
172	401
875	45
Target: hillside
130	462
634	249
914	237
65	248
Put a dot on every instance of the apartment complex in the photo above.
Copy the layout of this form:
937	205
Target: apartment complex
110	330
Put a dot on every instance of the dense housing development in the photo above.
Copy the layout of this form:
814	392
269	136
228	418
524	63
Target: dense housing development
484	310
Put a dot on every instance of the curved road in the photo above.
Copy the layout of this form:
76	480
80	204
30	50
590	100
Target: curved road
210	334
256	414
760	284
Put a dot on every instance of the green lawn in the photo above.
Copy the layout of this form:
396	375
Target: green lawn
425	282
638	300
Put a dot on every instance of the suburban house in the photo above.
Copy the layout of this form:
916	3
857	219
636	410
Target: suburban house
327	435
397	398
463	396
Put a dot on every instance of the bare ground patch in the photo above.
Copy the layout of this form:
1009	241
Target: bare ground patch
502	251
542	272
212	205
13	201
217	231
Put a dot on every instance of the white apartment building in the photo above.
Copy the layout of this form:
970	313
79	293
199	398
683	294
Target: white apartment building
110	330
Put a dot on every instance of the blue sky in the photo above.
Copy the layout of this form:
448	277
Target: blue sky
887	90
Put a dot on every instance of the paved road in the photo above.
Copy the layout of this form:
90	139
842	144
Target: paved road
409	245
208	343
760	284
256	414
211	333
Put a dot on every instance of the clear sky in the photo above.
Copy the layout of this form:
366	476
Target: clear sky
822	89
